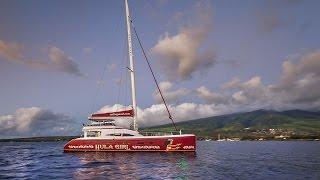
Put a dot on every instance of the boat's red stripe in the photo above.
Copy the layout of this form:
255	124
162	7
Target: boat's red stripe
165	144
126	113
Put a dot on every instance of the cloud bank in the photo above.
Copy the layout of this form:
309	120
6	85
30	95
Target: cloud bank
35	121
297	88
58	60
157	114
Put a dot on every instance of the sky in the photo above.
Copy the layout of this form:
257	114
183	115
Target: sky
60	60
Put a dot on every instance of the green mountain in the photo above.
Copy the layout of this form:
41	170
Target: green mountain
260	123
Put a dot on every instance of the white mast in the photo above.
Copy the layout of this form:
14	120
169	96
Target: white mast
131	69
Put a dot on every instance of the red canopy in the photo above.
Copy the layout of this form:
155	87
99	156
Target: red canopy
101	116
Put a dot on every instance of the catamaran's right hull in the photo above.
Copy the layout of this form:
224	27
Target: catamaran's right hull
173	143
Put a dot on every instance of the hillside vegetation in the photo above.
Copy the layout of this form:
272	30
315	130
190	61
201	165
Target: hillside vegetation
251	125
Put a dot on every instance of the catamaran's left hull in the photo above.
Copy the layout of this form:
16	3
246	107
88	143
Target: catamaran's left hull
175	143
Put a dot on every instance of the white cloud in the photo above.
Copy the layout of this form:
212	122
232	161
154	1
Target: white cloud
249	94
171	96
157	114
62	62
234	83
58	60
165	85
11	51
254	82
211	97
179	55
300	82
235	92
240	97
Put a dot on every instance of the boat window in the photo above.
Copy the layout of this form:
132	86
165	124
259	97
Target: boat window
127	135
116	134
108	124
93	134
101	124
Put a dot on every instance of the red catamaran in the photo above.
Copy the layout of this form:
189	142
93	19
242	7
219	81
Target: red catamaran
103	135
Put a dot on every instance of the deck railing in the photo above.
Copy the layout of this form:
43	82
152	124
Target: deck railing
160	133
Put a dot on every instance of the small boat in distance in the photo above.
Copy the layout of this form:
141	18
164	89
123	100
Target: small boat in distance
219	139
103	135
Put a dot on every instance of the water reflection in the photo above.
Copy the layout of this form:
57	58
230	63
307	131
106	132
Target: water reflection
133	165
214	160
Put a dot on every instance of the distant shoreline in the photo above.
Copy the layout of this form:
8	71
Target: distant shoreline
40	139
267	140
67	138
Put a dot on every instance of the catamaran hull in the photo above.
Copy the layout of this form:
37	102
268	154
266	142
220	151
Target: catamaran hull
175	143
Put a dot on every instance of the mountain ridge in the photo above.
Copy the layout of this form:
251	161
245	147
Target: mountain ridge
257	123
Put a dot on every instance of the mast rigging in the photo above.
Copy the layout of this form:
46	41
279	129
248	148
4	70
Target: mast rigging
154	77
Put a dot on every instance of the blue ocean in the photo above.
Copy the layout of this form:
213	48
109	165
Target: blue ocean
213	160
